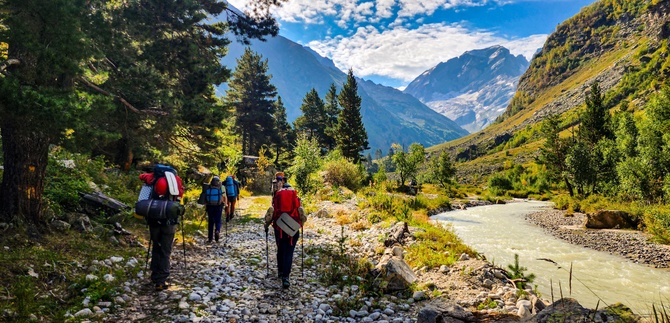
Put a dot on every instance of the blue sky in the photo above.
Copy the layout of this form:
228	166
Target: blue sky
393	41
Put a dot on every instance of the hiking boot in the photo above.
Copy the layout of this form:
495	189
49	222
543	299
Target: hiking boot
162	286
216	236
209	241
279	275
285	283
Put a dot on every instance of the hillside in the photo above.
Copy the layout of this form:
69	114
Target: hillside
621	44
389	115
472	89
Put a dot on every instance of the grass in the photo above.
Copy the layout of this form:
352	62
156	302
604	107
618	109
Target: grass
47	277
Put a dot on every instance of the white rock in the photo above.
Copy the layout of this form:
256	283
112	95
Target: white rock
194	297
84	313
419	295
183	305
523	303
523	312
109	278
464	256
91	277
116	259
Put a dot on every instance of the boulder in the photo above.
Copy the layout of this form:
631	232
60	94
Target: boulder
442	310
59	225
566	309
396	273
610	219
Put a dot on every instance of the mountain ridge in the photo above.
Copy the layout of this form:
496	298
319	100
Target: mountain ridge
472	89
393	118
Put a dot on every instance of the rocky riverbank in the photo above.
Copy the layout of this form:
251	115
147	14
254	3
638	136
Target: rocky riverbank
634	245
230	282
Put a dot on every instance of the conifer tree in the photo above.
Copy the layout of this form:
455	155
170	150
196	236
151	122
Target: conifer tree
284	133
596	118
351	138
251	96
312	122
332	113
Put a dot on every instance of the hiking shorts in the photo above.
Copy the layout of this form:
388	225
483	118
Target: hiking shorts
232	199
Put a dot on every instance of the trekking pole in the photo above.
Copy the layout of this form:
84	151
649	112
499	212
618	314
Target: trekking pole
302	252
146	263
183	240
267	257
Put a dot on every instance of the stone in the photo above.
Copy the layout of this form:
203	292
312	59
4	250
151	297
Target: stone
463	257
610	219
419	295
444	269
568	309
194	297
397	252
109	278
61	226
396	273
442	310
84	313
523	312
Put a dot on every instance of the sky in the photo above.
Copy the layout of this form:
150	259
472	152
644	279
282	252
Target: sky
391	42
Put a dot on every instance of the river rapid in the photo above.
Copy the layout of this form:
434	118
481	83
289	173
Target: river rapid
500	231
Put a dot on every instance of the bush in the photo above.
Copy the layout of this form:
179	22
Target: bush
341	172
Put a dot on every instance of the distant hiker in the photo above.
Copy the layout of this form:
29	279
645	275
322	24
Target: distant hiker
287	217
215	197
232	193
165	187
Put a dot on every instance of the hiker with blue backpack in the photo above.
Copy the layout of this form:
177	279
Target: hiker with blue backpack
215	198
232	193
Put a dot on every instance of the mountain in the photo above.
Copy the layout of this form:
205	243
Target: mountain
473	89
389	115
621	44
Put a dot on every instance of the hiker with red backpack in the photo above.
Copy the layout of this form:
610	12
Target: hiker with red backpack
165	186
232	193
215	199
287	217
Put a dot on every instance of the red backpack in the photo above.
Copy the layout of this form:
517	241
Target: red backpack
286	201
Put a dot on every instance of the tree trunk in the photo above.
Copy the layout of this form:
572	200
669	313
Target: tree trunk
26	157
569	186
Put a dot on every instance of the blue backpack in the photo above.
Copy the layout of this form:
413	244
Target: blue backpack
213	196
231	188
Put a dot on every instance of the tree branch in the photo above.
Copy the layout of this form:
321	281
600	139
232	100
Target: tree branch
8	63
151	111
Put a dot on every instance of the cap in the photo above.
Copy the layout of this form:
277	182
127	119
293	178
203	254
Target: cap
280	178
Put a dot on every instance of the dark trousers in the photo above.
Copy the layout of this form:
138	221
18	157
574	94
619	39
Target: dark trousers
285	248
213	219
162	237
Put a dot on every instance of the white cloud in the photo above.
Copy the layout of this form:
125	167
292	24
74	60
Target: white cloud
346	12
403	53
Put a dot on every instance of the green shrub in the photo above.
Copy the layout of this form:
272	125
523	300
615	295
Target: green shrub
499	184
341	172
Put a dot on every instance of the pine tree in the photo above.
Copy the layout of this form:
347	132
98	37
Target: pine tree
332	113
312	122
596	118
251	95
284	133
352	138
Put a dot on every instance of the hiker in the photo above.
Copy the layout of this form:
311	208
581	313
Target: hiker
162	234
285	201
232	193
215	197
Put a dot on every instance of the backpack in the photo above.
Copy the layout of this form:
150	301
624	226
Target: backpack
231	188
169	173
202	199
285	203
213	196
159	212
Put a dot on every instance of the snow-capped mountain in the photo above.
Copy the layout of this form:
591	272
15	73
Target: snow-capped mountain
472	89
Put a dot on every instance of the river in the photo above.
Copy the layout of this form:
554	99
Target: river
500	231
